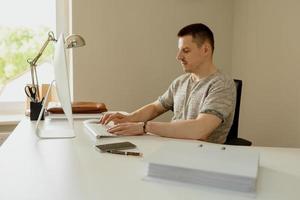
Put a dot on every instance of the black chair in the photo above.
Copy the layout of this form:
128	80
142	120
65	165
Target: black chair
232	138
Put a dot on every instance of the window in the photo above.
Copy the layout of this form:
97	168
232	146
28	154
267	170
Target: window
21	37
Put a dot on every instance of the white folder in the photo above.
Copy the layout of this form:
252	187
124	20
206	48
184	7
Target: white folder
215	165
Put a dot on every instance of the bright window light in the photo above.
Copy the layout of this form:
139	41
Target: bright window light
24	27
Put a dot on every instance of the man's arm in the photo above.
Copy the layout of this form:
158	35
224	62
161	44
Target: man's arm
145	113
148	112
199	128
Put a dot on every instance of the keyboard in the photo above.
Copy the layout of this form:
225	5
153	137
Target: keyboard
96	129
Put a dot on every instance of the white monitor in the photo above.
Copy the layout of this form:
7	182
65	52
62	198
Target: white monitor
63	93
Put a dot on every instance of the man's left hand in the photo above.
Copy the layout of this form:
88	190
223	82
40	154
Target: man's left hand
127	128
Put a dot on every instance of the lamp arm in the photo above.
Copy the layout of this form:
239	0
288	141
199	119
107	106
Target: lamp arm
32	62
50	38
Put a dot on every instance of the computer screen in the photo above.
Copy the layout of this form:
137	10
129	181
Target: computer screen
63	93
62	78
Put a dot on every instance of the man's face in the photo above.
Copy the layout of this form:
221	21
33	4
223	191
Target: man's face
190	55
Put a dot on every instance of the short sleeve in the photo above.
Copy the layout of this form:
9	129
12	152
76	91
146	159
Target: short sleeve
220	100
167	99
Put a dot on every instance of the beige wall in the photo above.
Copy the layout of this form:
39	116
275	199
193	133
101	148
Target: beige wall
129	59
266	55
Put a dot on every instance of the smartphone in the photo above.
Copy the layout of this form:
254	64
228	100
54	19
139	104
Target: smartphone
116	146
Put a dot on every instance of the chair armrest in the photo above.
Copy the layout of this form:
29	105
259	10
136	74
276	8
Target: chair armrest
239	142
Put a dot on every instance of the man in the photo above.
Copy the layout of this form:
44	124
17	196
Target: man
202	99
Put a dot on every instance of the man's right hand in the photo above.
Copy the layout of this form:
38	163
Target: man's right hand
115	117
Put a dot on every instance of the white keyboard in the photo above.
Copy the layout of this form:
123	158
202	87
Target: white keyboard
96	129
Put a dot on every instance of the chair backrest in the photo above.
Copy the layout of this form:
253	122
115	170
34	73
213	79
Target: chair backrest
233	133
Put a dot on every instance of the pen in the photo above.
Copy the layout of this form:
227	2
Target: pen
127	153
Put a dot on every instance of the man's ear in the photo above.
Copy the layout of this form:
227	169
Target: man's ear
206	47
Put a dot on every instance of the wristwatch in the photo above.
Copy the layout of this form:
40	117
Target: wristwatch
144	127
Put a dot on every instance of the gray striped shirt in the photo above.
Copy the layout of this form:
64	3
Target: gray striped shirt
214	94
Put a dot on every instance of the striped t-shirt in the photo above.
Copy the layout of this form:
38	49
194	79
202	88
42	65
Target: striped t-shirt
214	94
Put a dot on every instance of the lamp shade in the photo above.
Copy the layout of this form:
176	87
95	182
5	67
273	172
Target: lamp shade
74	41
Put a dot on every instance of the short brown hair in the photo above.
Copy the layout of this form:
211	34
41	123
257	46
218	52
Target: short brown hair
200	33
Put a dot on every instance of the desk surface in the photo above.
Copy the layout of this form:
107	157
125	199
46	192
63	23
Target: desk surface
64	169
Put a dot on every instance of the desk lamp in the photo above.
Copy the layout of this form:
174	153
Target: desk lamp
74	41
71	41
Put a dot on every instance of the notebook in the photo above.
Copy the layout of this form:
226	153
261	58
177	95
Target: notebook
205	164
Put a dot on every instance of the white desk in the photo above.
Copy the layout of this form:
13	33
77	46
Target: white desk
72	169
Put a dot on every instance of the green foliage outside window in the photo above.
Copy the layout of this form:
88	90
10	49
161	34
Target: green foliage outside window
16	46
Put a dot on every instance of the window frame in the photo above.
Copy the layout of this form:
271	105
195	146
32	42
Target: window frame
15	107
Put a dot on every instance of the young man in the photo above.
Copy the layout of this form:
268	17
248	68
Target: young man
202	99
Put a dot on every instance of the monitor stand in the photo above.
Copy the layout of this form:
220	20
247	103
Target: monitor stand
53	133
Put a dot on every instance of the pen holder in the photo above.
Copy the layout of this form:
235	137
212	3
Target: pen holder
35	109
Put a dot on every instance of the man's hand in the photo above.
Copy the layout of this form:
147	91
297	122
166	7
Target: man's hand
127	128
114	117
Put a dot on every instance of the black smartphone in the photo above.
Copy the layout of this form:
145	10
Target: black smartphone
116	146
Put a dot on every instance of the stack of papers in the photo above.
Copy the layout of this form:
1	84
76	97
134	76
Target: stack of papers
219	166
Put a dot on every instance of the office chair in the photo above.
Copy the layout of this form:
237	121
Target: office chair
232	138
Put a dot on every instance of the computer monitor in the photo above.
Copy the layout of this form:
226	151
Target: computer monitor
64	96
